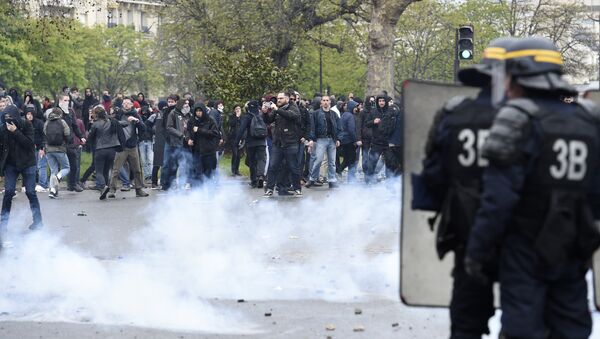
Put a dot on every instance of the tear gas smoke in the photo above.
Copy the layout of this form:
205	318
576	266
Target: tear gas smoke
220	243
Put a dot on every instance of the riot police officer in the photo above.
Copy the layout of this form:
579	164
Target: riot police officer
451	179
539	190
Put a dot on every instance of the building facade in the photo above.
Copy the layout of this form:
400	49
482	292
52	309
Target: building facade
142	15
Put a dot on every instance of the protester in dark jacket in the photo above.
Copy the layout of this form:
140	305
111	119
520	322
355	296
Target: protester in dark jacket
176	156
204	137
381	123
38	139
72	149
393	155
104	134
28	99
17	157
255	145
89	101
348	140
14	94
286	117
156	121
235	120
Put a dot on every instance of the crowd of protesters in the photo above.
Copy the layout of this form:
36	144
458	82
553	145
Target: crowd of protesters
288	143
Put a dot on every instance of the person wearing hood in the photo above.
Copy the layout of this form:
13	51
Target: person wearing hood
28	99
14	95
176	156
203	140
155	121
141	99
256	142
17	157
56	139
132	127
380	123
38	139
348	140
145	142
89	101
393	155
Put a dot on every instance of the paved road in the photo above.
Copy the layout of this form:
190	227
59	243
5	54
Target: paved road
225	263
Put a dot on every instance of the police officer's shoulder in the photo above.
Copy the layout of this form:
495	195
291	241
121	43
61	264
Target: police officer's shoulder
525	105
454	103
509	130
590	108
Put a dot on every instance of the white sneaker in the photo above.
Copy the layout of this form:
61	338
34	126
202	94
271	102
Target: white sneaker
54	184
40	189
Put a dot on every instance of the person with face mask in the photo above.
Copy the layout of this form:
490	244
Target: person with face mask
72	150
381	124
203	140
17	157
158	127
89	101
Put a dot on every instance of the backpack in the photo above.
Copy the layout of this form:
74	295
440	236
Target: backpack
258	127
55	132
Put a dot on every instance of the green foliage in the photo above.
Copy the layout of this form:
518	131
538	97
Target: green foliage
426	33
120	59
236	78
343	70
45	54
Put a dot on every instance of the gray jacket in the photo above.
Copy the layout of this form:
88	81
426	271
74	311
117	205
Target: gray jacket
176	123
103	134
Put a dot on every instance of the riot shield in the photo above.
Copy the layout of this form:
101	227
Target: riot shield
424	279
595	97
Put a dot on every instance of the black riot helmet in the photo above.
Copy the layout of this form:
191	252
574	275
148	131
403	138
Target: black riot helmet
535	63
480	75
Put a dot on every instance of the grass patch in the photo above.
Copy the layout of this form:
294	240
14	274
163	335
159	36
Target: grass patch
224	166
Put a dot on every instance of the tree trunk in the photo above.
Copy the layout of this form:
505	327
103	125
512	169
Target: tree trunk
380	56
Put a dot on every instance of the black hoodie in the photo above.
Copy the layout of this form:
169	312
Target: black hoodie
381	131
203	131
16	148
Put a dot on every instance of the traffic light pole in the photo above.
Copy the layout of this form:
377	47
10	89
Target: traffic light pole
456	59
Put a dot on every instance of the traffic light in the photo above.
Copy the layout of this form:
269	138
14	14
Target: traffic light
465	42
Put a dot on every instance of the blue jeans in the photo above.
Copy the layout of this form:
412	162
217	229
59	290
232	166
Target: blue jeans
59	164
278	153
372	161
324	145
10	183
42	169
146	155
124	175
174	158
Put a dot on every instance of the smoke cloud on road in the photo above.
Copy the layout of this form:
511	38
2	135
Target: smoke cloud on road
207	244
